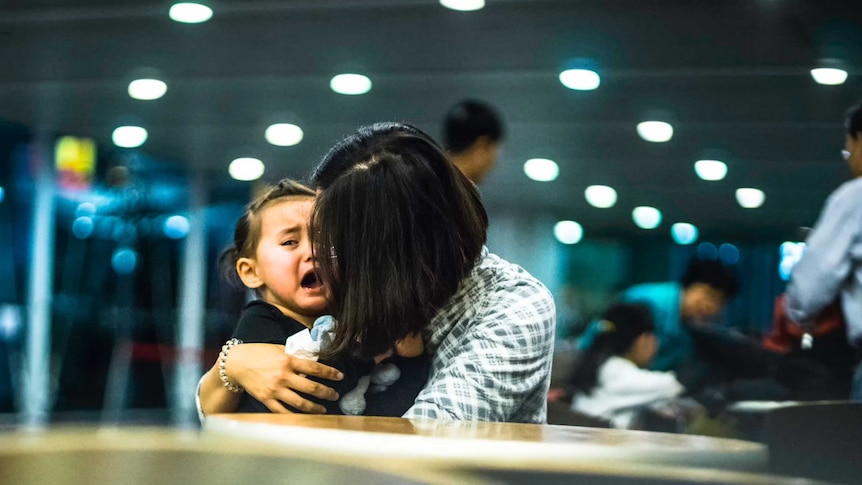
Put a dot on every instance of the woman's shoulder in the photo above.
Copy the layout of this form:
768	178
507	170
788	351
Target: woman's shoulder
493	275
497	295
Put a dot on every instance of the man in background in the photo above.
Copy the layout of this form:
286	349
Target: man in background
831	267
472	133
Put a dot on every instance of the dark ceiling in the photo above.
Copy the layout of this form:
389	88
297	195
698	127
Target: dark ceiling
732	75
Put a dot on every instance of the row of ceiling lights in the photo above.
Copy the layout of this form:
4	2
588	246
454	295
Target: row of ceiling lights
582	79
196	13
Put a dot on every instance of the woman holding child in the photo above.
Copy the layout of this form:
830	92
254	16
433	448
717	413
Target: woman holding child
398	235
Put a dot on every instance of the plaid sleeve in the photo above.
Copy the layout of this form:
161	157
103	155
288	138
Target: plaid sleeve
495	364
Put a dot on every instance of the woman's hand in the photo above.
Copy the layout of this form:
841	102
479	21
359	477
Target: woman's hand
273	377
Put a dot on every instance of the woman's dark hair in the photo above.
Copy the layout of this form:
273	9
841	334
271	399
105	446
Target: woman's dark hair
469	120
853	120
395	230
246	234
713	273
618	328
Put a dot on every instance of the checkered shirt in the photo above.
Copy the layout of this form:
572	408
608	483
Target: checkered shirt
491	346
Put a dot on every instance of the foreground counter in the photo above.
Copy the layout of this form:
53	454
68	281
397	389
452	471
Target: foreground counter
313	450
505	452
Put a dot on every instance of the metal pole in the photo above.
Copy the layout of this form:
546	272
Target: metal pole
192	297
35	397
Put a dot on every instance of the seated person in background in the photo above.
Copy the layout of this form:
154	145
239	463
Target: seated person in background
705	288
272	255
831	267
609	380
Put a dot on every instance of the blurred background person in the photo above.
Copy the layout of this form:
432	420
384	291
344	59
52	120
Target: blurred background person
610	380
472	134
704	290
831	267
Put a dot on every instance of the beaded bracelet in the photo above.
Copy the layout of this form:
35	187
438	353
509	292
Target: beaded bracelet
222	359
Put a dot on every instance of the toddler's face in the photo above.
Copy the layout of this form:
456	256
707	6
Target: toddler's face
284	260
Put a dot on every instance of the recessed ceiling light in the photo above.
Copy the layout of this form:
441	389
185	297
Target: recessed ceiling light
147	89
190	13
601	196
750	198
124	260
82	227
176	227
684	233
728	253
829	76
790	249
568	232
85	209
246	169
646	217
580	79
655	131
129	136
541	169
350	84
707	251
463	5
710	169
284	134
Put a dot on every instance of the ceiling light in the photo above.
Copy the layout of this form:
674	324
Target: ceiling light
463	5
190	13
710	169
684	233
284	134
829	76
176	227
85	209
541	169
646	217
580	79
601	196
246	169
728	253
2	193
350	84
124	260
707	251
790	249
750	198
82	228
147	89
129	136
568	232
655	131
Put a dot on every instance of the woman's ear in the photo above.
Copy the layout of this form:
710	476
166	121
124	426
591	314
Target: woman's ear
246	269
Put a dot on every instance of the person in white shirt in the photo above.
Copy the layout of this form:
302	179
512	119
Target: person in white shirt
609	380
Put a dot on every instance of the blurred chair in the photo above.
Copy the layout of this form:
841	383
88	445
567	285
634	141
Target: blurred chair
819	440
560	411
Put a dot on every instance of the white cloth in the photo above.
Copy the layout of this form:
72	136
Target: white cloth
301	345
622	388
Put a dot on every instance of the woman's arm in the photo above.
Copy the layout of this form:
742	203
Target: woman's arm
270	376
